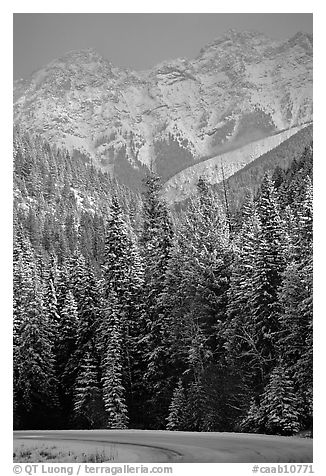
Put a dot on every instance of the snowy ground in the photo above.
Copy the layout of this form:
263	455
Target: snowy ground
32	450
183	447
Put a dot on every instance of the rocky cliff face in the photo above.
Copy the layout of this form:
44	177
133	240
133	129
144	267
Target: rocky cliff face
242	88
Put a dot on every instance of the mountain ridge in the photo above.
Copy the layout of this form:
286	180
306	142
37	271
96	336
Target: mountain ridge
242	87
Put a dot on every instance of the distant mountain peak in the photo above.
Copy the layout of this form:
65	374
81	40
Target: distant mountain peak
86	55
233	34
302	39
244	40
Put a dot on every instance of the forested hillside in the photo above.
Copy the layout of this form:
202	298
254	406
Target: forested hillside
127	315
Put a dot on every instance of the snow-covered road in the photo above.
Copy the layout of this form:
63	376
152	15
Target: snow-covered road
148	446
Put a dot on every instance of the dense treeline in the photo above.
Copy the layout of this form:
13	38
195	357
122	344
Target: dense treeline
128	316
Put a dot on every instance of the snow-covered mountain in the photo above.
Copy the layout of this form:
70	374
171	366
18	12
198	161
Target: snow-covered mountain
242	89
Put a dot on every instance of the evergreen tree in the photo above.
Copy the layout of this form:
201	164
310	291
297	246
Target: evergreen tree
65	351
22	274
51	303
239	330
196	407
279	405
176	419
90	308
122	267
77	270
305	223
85	356
209	257
296	335
88	402
156	242
113	389
62	285
175	301
268	266
295	298
34	365
252	422
123	276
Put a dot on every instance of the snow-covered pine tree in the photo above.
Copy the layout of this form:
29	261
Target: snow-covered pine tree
88	401
122	267
71	231
252	422
89	299
123	275
23	259
295	297
87	334
176	419
33	227
77	269
174	300
156	244
207	231
196	408
156	218
279	404
90	308
116	264
50	301
113	389
98	238
65	352
268	266
239	331
296	326
34	364
68	327
62	285
304	238
134	327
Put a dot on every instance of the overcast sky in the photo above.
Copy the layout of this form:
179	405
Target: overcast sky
136	40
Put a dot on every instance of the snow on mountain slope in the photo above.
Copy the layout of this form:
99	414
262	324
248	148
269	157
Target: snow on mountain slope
242	87
183	184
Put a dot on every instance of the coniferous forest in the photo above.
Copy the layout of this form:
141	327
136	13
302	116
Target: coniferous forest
131	314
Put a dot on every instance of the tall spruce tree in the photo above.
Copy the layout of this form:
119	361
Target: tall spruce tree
113	388
268	266
156	243
123	276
